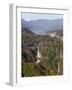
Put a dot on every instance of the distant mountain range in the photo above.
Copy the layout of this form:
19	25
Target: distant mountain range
42	26
27	31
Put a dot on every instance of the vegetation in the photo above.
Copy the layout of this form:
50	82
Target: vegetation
51	49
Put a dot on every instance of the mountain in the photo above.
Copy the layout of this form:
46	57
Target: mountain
40	26
26	31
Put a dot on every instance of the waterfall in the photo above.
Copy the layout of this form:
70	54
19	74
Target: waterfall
58	68
38	56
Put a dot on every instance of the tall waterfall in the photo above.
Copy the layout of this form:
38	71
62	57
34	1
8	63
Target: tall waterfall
58	68
38	56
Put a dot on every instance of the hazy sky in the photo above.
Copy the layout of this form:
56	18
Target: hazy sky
35	16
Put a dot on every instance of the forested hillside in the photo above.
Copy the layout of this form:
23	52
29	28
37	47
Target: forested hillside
51	49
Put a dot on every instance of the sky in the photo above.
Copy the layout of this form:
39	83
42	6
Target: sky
35	16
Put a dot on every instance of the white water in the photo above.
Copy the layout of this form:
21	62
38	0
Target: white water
38	56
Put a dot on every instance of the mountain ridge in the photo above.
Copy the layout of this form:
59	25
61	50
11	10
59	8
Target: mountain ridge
40	26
